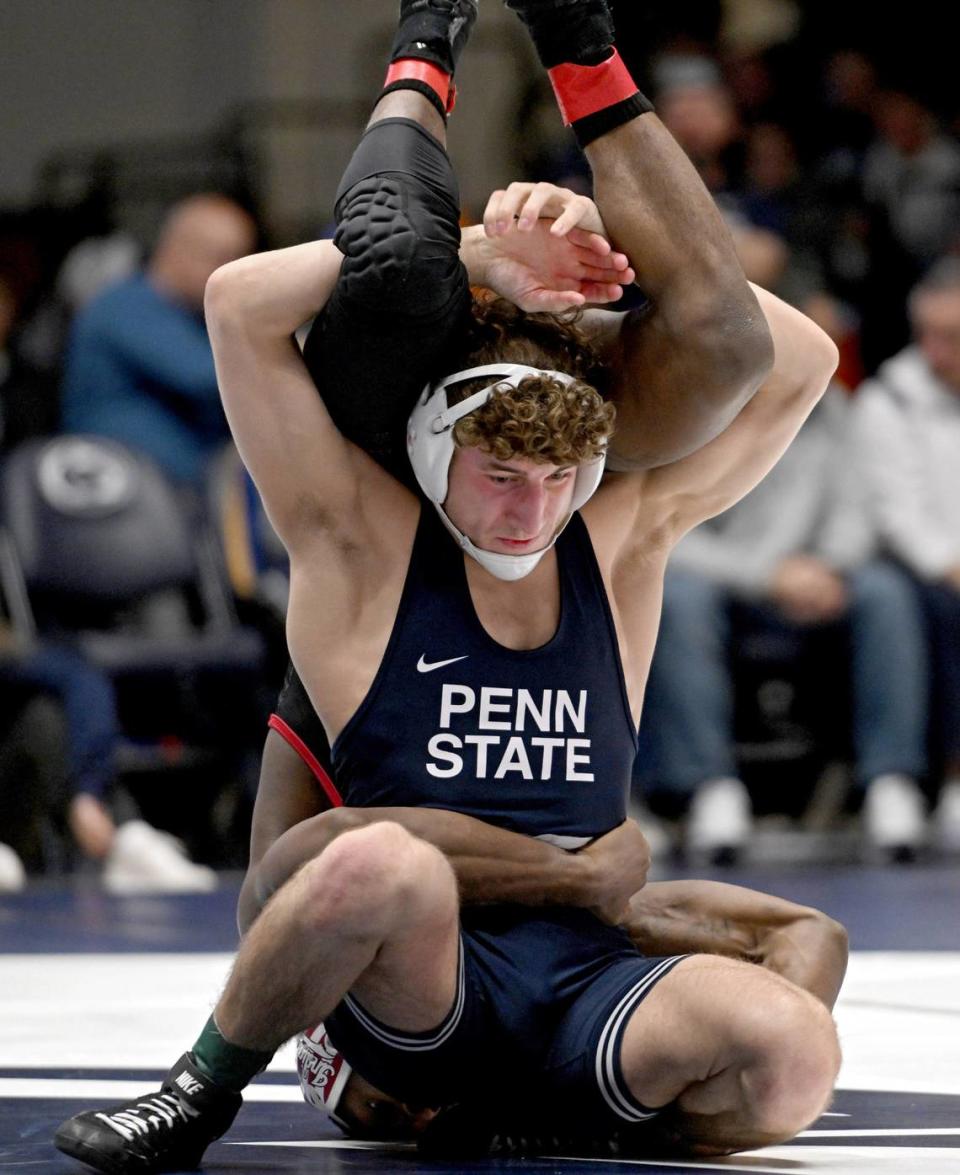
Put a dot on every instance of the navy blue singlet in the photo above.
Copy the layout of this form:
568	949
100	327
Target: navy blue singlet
537	741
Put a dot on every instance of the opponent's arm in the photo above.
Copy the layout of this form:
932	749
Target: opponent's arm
491	864
710	917
684	366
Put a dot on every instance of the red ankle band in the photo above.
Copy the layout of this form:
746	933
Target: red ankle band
582	90
413	69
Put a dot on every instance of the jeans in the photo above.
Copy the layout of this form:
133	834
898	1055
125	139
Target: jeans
89	706
941	607
687	735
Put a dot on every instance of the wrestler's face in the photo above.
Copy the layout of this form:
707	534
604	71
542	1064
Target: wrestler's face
936	325
509	507
370	1114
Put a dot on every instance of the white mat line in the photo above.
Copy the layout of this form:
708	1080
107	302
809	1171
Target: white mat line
885	1132
120	1091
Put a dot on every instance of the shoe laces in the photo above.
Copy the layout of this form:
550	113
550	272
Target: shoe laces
152	1115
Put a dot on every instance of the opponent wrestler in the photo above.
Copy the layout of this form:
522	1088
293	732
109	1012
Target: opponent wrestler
739	1055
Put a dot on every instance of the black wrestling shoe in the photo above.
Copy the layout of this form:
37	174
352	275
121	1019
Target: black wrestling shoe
579	31
434	30
163	1131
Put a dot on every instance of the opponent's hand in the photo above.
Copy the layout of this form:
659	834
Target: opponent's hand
952	577
545	248
619	864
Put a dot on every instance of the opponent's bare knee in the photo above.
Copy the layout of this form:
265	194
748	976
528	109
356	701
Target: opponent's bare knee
739	1057
782	1058
788	1082
373	880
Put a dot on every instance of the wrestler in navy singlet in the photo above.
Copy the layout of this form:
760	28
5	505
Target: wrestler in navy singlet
538	741
544	996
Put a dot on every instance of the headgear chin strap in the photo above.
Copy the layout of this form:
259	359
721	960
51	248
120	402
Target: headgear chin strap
431	446
323	1072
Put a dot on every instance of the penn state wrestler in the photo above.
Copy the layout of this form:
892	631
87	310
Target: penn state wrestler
664	918
738	1055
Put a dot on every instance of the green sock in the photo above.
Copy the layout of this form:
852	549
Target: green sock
229	1065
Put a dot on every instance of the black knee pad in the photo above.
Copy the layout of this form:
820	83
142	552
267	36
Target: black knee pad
398	223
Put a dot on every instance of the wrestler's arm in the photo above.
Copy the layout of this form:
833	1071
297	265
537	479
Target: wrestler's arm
491	864
709	917
308	475
713	479
637	514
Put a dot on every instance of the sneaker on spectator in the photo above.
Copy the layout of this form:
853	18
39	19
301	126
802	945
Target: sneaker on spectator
13	876
946	818
653	828
145	860
895	816
719	821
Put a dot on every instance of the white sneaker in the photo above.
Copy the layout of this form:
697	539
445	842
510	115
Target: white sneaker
145	860
13	876
946	818
659	839
720	821
894	816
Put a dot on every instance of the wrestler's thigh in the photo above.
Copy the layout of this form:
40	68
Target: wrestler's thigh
412	982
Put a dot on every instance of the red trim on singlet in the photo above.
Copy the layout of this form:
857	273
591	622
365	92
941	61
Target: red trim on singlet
290	735
582	90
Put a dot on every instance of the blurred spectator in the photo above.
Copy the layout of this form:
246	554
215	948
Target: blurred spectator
791	560
60	766
698	109
138	365
844	128
912	175
28	398
911	188
908	423
32	782
786	199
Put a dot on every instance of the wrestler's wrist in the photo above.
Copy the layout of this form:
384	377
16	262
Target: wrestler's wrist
584	880
476	254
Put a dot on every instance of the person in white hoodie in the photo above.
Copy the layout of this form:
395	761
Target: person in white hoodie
793	562
908	430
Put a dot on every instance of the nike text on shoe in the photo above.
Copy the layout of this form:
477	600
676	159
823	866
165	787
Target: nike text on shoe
163	1131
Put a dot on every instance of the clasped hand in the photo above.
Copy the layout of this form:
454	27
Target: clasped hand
545	249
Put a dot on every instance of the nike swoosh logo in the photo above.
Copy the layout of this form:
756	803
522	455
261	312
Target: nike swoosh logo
428	666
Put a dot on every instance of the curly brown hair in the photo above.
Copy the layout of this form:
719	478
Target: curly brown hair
543	419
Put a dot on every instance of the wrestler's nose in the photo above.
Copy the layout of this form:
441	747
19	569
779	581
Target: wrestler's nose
420	1117
529	509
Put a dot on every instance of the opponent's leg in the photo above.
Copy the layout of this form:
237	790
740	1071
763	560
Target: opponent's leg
740	1057
403	296
704	328
376	913
402	299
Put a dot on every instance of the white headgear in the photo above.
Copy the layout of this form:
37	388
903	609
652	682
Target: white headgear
323	1071
430	445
